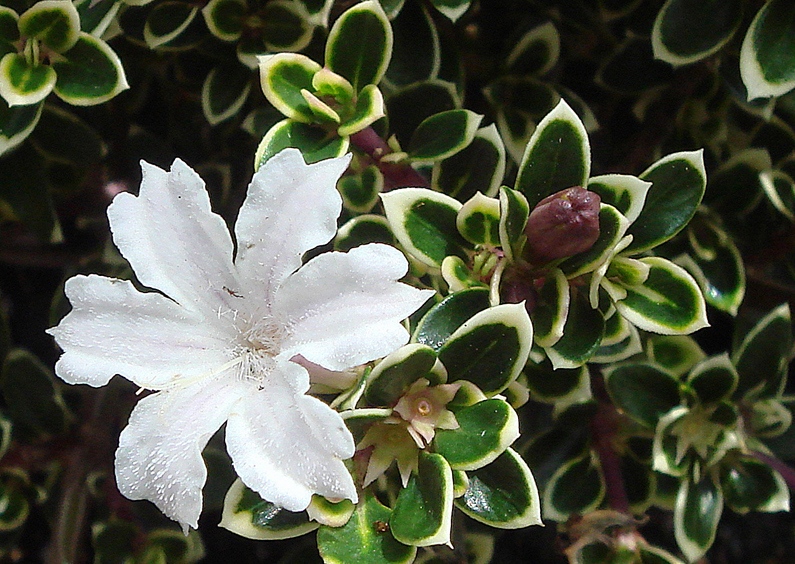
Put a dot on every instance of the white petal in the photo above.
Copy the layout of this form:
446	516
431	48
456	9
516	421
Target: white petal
159	455
343	309
287	446
173	241
147	338
291	208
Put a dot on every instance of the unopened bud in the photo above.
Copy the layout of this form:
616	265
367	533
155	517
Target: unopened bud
563	224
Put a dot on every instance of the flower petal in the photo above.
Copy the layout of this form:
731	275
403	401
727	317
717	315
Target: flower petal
287	446
291	208
343	309
173	241
159	455
147	338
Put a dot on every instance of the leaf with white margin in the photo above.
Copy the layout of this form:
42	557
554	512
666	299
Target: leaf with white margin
283	76
624	192
552	309
678	184
582	333
485	430
479	167
699	505
23	84
224	18
315	143
53	22
453	9
558	156
478	220
664	447
224	91
89	73
369	108
359	45
766	62
502	494
576	486
514	211
361	540
167	21
490	349
248	515
669	302
763	354
443	135
536	52
422	515
751	485
685	31
424	223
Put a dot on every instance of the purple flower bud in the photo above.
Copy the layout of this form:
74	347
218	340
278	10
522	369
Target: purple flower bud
563	224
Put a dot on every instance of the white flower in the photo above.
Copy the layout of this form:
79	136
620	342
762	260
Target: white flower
216	341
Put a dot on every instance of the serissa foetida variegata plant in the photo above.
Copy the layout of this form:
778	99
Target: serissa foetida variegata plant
575	249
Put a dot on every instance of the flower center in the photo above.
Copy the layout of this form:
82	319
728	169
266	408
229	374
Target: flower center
424	407
260	341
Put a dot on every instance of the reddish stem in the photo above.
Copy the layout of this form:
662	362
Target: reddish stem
396	175
604	426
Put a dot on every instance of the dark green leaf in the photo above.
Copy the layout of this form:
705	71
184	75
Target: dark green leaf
435	328
642	391
90	74
699	505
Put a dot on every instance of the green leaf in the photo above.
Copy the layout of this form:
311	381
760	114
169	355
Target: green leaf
315	143
668	456
669	302
443	135
416	51
224	18
360	191
561	386
485	430
411	105
779	188
643	391
399	370
717	266
363	229
97	15
167	21
286	25
91	73
283	76
558	156
22	84
14	504
479	167
364	538
612	227
225	91
676	353
53	22
678	184
453	9
423	510
536	52
64	137
502	494
762	356
368	109
624	192
552	308
34	402
443	319
575	487
9	30
359	45
582	333
490	348
766	64
698	508
685	31
248	515
514	211
330	513
632	68
424	222
713	379
359	421
478	220
750	485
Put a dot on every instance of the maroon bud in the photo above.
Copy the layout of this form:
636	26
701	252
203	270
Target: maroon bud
563	224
